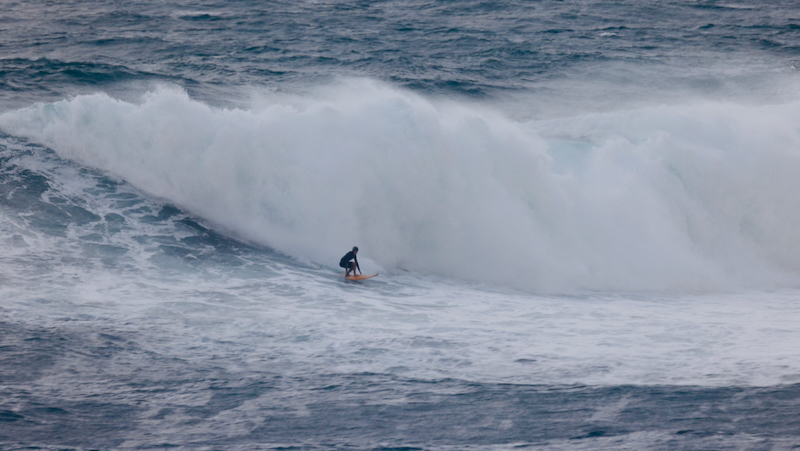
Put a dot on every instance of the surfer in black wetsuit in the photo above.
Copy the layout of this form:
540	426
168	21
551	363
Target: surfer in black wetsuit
348	265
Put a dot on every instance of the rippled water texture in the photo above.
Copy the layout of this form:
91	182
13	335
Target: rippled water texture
471	48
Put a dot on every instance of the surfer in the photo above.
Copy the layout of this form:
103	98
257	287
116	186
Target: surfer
349	265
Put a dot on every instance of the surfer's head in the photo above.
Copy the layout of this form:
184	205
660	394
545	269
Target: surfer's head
355	248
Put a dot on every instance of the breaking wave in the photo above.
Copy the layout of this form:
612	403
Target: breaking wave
685	197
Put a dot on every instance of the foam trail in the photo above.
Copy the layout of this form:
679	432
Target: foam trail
666	198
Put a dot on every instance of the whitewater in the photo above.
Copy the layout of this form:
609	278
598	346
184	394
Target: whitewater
675	198
584	220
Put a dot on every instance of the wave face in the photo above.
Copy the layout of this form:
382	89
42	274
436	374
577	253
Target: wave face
664	198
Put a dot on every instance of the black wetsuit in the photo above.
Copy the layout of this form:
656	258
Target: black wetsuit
345	261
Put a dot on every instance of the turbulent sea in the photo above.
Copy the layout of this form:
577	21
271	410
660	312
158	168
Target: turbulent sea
585	215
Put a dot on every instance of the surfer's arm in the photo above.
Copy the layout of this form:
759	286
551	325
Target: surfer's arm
359	268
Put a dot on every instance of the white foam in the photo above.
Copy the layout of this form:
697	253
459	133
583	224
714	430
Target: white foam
666	198
258	316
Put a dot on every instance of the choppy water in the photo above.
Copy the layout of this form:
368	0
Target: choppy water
584	215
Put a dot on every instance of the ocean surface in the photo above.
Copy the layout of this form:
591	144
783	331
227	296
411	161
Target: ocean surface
585	215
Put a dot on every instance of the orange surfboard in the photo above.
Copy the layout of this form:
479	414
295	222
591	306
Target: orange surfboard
361	277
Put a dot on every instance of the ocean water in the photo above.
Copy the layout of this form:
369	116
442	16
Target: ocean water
584	215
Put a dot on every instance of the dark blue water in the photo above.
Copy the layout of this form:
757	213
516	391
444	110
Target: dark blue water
584	214
465	48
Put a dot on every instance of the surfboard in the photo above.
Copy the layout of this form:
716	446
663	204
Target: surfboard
361	277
